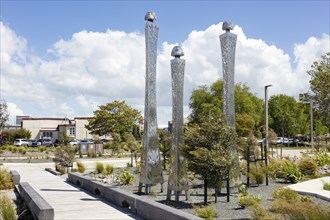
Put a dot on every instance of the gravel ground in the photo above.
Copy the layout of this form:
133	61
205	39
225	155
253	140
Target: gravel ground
224	209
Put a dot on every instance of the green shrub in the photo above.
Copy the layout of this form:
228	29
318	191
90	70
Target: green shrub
285	169
326	186
285	193
307	166
275	169
292	173
305	199
109	169
42	148
243	190
81	166
125	178
249	200
99	167
6	180
14	150
7	208
322	159
22	149
257	173
206	212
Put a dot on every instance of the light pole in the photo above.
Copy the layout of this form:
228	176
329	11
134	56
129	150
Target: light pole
266	120
311	113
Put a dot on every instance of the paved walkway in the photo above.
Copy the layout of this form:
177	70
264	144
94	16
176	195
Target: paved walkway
313	188
69	203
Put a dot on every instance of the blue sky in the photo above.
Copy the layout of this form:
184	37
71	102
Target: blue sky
282	23
45	42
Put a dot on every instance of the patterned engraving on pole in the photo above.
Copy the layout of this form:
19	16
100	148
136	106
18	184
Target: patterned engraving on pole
151	171
178	180
228	47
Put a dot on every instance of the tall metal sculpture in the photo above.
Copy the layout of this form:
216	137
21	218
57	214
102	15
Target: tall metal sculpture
151	169
228	46
178	178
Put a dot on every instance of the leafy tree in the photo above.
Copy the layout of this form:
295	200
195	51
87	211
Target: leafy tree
10	136
207	149
65	138
22	133
165	146
248	108
114	118
4	115
64	157
287	115
245	125
320	86
132	145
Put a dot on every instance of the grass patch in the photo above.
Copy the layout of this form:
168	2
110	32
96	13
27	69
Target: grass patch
300	210
6	180
99	167
7	208
81	166
326	186
125	178
206	212
109	169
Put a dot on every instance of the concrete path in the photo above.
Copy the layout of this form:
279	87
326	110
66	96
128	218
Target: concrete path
313	188
69	203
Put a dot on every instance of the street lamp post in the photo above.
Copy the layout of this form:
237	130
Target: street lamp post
266	127
311	114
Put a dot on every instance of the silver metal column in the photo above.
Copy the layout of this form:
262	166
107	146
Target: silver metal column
151	169
228	46
178	178
266	138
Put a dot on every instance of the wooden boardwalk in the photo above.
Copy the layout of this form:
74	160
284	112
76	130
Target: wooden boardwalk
69	202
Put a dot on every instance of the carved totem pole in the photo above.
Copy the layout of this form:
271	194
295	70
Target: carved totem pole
228	46
151	169
178	179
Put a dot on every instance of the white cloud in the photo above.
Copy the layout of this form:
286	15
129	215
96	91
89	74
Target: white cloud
93	68
14	111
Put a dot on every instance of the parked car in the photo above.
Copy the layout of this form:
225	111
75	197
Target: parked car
281	140
47	142
21	142
74	142
294	141
35	143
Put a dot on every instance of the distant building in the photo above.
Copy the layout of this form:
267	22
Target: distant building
54	127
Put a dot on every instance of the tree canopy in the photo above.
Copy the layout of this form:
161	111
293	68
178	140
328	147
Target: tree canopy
320	86
114	118
4	115
249	109
288	116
